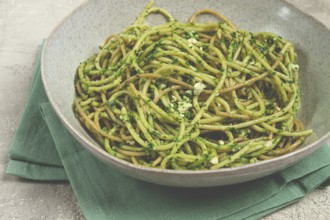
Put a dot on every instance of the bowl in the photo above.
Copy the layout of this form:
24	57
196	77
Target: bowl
78	36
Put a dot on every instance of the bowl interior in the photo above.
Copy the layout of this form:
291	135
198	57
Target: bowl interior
80	34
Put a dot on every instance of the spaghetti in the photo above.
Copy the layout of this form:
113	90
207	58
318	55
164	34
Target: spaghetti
191	96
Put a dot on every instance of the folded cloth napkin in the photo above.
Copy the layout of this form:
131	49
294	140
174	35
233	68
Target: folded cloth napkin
43	149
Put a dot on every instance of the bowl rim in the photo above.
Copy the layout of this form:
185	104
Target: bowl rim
94	148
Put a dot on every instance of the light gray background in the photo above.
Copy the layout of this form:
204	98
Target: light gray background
23	25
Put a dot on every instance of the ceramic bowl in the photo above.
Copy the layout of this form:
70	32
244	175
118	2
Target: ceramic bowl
79	35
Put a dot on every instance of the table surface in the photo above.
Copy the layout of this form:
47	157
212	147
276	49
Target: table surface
23	25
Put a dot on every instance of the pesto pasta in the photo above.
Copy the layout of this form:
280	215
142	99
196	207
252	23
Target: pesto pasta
191	96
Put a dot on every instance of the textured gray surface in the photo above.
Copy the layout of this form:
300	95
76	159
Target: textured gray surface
23	25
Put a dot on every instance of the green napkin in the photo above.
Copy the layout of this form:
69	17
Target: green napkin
32	150
43	149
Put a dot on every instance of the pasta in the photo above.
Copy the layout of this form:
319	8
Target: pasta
191	96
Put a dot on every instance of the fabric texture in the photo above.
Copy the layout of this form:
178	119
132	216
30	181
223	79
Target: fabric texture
43	149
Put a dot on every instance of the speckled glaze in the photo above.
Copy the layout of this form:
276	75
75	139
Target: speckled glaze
78	37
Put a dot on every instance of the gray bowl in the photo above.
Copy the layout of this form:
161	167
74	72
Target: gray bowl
78	37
